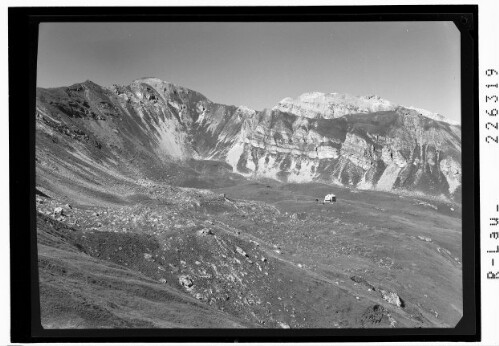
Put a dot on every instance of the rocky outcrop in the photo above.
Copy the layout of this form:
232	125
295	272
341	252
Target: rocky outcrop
362	142
385	150
392	298
333	105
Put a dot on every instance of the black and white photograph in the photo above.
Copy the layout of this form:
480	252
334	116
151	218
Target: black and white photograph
249	175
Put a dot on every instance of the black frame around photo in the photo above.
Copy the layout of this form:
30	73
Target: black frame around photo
23	46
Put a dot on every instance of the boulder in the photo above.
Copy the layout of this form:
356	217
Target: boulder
185	281
58	211
362	281
373	315
427	239
204	232
284	325
392	298
241	251
201	297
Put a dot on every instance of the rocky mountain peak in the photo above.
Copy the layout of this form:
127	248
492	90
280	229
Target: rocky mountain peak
165	89
246	111
333	105
372	97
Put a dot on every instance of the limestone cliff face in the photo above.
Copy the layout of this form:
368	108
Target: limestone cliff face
362	142
384	150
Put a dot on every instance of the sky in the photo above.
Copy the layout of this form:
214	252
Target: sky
258	64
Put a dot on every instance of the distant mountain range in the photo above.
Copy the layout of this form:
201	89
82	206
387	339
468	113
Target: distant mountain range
334	105
361	142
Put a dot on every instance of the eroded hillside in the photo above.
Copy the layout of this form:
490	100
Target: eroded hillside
155	209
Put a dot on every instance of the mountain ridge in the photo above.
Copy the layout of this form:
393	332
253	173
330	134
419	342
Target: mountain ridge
376	101
390	148
333	105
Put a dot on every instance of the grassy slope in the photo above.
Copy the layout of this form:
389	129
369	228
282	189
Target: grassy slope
376	235
79	291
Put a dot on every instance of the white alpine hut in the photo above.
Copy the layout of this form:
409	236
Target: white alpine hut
330	198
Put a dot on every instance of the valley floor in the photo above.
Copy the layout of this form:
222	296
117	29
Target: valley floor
254	254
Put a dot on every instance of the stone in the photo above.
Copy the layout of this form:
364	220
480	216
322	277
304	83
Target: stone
284	325
204	232
199	296
185	281
373	315
241	251
427	239
392	298
362	281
